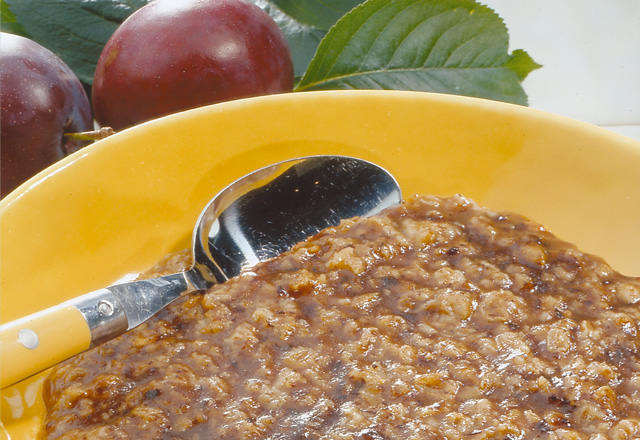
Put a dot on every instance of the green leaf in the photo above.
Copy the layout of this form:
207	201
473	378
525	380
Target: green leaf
8	22
75	30
447	46
522	64
305	23
321	14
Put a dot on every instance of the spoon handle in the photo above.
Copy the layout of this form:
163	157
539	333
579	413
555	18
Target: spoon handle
36	342
39	341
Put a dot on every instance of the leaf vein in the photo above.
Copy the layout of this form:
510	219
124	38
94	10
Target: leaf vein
330	67
453	70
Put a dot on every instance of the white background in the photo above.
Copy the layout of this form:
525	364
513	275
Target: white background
590	52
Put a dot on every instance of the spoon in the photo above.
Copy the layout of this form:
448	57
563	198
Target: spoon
255	218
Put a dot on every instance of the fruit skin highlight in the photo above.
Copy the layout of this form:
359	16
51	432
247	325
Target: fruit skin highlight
41	100
172	55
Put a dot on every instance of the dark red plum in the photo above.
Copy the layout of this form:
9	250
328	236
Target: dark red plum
170	56
41	100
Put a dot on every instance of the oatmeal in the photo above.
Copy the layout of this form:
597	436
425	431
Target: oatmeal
437	319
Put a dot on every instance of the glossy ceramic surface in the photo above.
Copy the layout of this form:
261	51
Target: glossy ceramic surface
113	209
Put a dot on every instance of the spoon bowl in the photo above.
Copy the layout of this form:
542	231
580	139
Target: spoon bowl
254	219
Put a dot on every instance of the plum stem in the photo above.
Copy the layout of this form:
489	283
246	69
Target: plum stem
95	135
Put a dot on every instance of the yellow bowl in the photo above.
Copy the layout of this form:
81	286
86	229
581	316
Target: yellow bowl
113	209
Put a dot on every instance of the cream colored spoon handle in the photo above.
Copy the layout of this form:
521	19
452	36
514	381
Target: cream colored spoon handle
36	342
42	340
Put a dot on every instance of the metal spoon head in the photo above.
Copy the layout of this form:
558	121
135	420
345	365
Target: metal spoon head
270	210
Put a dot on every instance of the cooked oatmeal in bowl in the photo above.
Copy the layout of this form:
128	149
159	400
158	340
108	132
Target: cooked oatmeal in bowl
437	319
